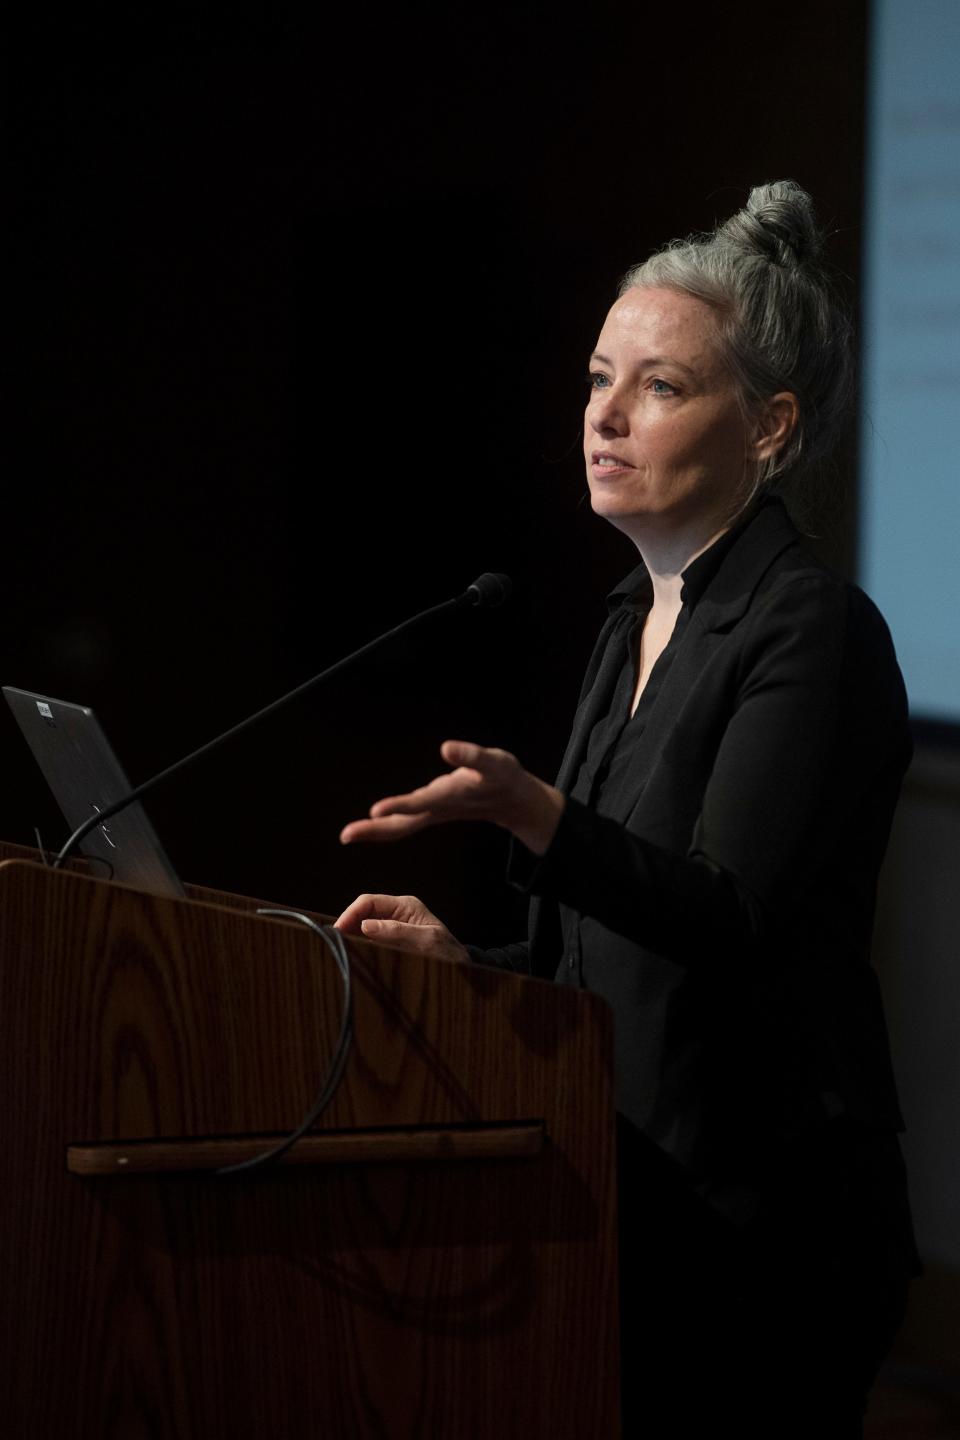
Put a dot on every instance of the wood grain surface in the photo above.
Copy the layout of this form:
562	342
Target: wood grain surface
400	1145
443	1295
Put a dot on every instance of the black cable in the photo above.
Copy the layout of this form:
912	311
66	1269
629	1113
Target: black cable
334	943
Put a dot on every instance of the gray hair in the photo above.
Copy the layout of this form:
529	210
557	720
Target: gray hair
782	326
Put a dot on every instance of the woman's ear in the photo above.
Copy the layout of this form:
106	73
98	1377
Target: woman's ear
778	420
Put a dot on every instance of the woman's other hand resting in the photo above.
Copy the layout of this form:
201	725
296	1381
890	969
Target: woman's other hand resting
402	921
484	785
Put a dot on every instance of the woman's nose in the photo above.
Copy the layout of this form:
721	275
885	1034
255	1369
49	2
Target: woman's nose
605	412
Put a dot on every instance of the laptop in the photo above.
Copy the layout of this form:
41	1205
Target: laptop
85	776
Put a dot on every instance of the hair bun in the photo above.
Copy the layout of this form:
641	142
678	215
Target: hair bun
778	223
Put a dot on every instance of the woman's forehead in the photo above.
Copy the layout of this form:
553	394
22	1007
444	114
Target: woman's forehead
664	323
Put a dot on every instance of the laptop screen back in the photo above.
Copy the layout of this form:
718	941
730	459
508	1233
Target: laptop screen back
85	776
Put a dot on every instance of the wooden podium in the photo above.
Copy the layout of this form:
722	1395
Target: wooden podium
437	1258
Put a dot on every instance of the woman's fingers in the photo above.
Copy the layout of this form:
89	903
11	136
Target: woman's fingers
363	908
403	922
464	752
486	784
406	908
489	761
464	793
389	827
422	939
443	793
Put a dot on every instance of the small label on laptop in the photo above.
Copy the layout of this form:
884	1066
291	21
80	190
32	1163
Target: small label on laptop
45	710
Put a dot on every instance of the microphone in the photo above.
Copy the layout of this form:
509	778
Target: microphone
486	591
489	590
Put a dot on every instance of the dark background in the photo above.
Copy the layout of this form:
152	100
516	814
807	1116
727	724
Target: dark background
301	312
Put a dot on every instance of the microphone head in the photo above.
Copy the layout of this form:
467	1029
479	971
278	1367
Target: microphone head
489	589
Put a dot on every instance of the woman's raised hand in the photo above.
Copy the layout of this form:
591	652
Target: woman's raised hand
402	921
485	784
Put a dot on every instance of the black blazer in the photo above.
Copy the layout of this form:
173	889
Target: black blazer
725	909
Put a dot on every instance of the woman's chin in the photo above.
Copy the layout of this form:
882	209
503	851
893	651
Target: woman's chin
617	508
611	500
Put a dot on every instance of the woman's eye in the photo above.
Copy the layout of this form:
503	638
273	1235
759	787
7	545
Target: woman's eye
597	380
662	387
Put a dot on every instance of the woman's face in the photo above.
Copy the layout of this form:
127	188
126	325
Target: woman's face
665	439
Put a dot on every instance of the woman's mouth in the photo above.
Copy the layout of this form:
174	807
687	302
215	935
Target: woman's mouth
603	462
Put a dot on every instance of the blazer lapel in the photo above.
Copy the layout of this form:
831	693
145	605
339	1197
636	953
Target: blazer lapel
728	595
602	671
723	603
605	667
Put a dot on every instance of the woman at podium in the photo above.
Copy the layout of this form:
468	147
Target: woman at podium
708	858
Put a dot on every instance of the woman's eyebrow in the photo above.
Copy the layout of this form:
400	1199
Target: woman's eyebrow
649	360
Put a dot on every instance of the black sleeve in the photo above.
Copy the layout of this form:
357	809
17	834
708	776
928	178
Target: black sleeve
503	957
818	717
